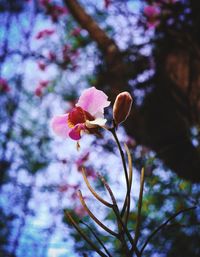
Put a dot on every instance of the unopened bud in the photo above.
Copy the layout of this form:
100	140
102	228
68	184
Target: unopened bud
122	107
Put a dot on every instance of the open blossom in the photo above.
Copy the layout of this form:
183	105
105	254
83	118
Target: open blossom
86	116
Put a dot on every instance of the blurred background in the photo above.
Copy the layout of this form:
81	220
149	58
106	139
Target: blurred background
50	51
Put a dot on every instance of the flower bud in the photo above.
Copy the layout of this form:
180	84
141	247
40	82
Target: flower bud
122	107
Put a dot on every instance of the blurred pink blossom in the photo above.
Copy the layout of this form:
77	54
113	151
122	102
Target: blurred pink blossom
81	161
42	66
169	1
152	13
44	83
44	33
40	88
65	187
107	3
76	32
38	91
80	211
53	10
4	85
51	56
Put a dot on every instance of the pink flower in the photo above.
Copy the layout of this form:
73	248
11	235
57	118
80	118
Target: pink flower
45	2
53	10
107	3
80	211
169	1
63	188
38	91
51	56
43	83
81	161
44	33
152	13
76	32
86	116
4	85
40	88
42	66
90	172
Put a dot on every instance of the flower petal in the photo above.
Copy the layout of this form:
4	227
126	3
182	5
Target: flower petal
75	133
93	101
94	123
60	126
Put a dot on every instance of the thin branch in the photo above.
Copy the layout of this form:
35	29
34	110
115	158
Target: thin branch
130	165
108	189
94	217
83	235
138	222
117	213
93	191
130	178
163	225
113	131
97	238
104	42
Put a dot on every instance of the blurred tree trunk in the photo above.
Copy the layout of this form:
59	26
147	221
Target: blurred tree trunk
164	120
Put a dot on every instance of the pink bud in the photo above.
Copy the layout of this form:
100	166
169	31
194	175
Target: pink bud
52	56
122	107
43	83
4	85
42	66
38	91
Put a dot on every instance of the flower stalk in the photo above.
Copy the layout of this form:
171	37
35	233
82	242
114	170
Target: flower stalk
88	117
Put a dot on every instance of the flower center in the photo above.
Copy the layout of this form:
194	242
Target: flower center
77	115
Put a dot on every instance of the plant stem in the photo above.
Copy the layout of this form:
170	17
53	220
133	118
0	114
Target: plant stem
127	198
97	238
163	225
84	236
121	226
137	230
93	191
94	217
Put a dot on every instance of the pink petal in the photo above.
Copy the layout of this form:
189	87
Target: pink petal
75	133
151	11
93	101
60	126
